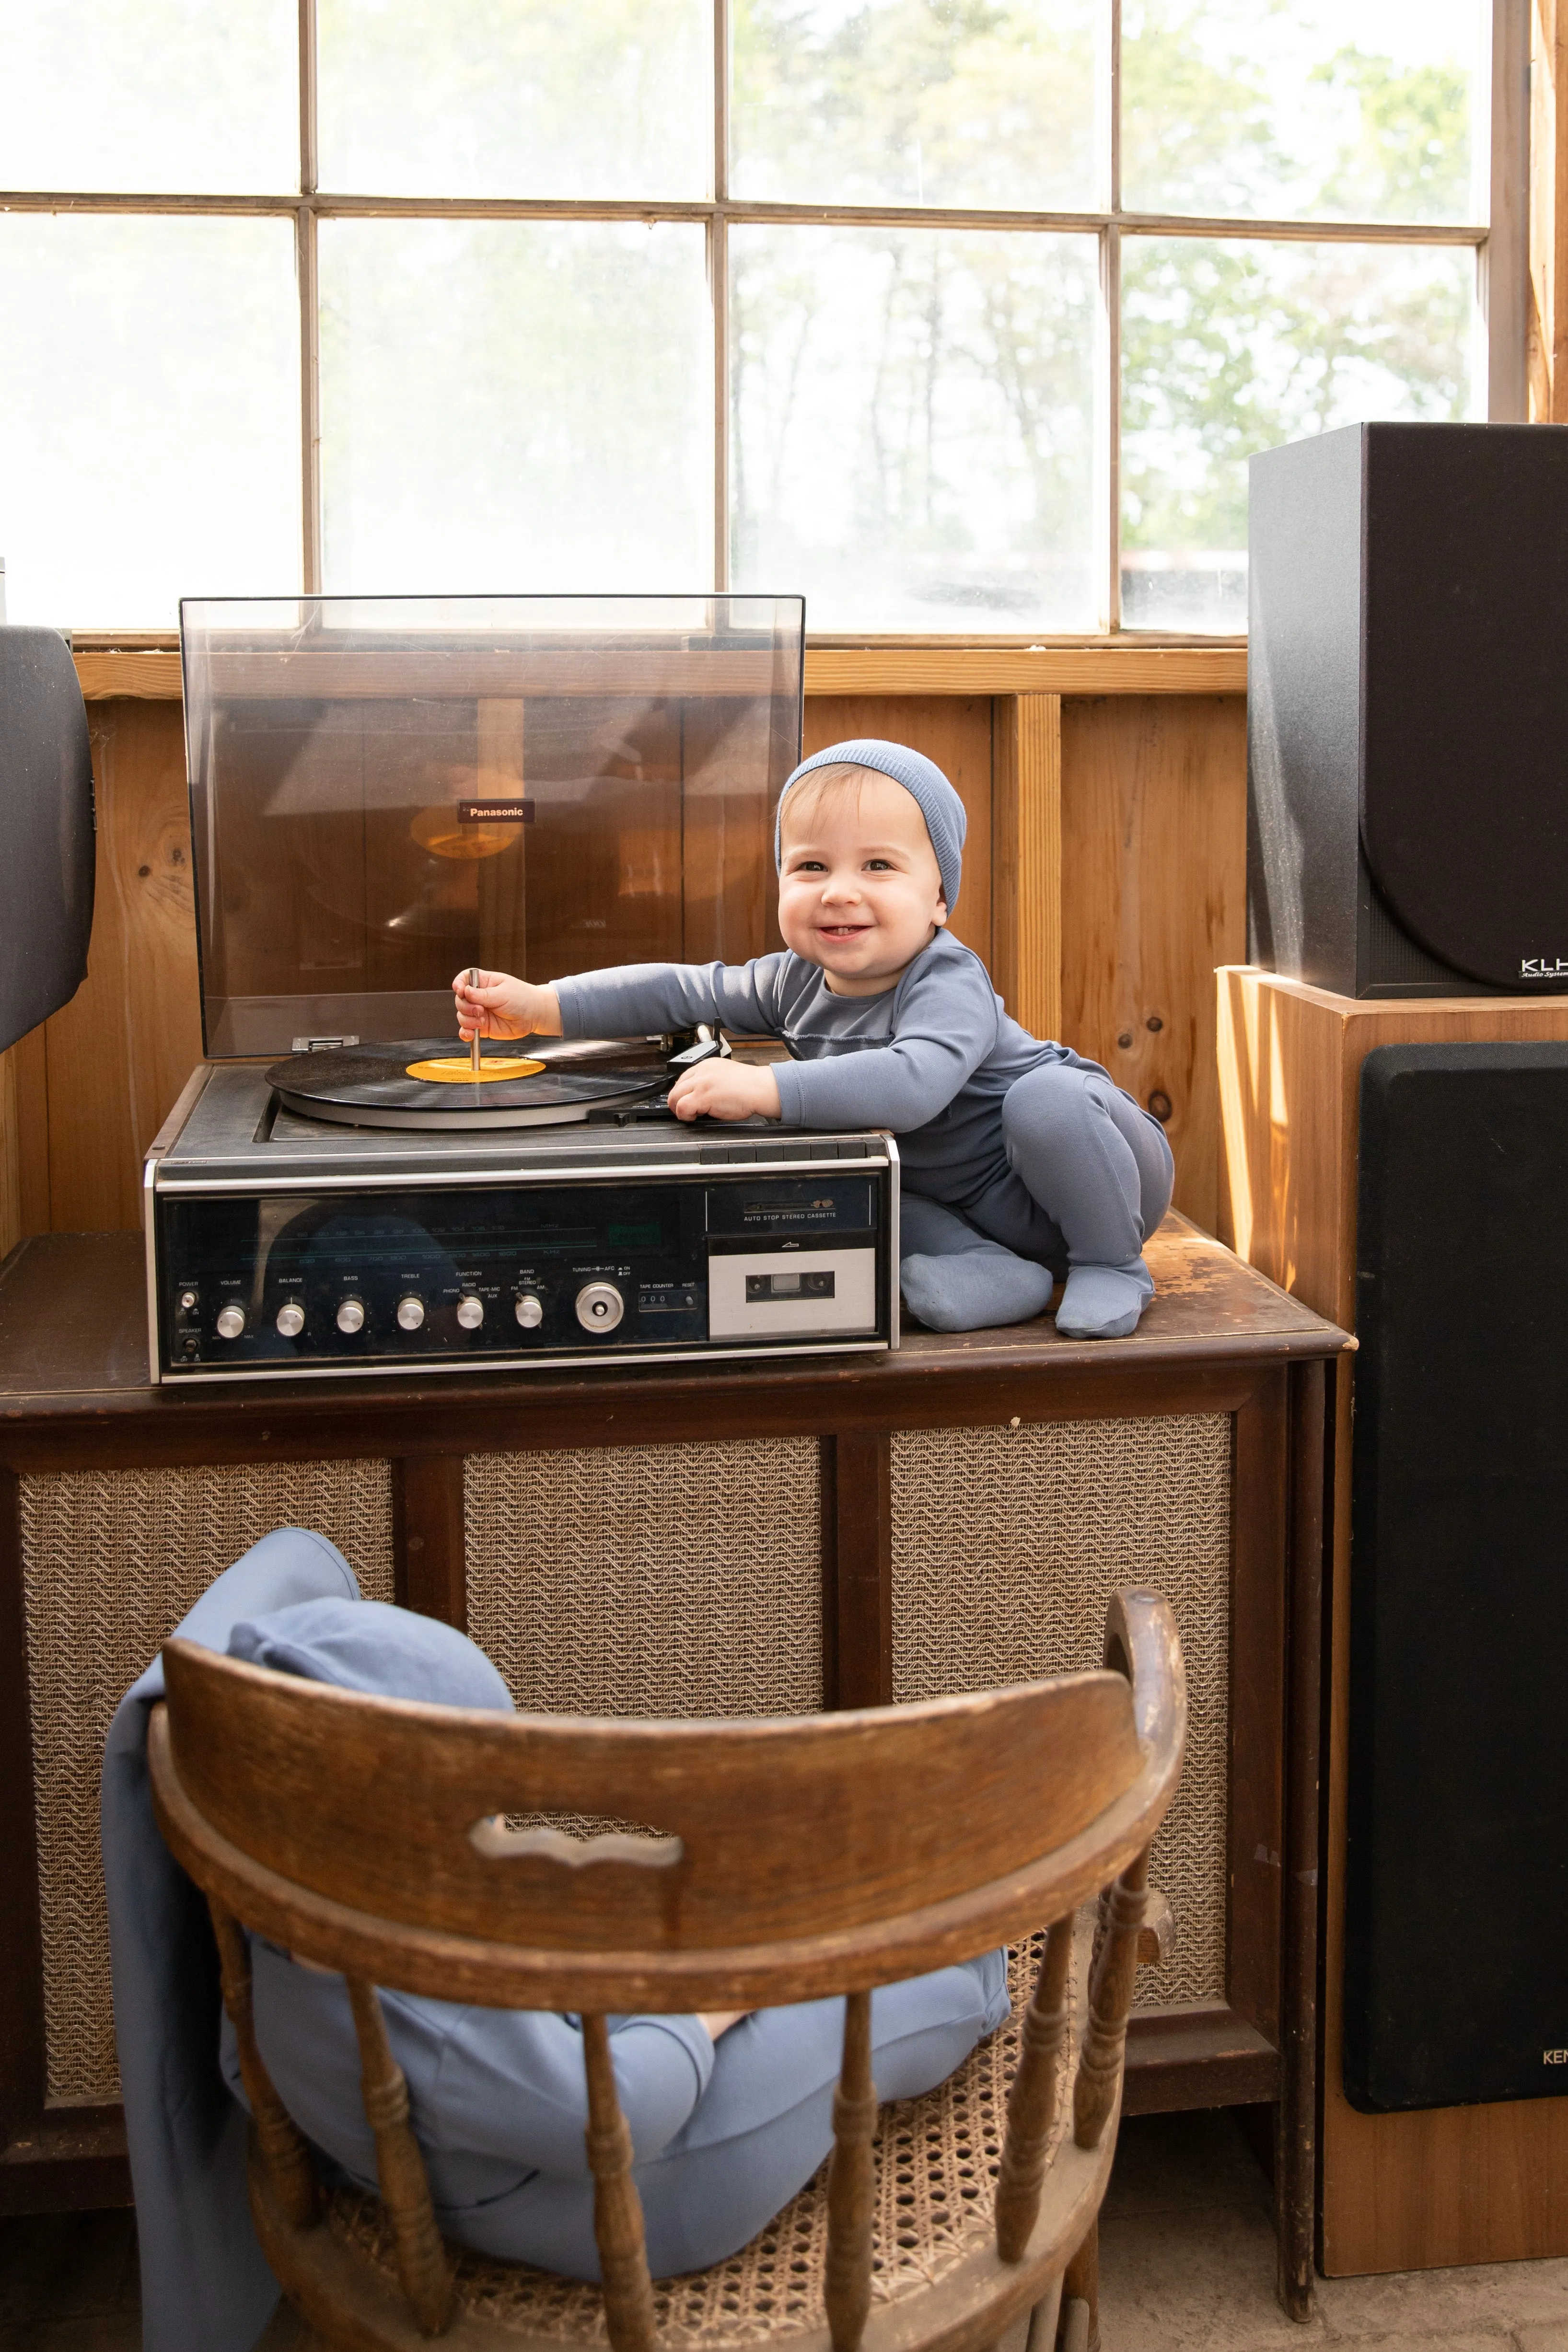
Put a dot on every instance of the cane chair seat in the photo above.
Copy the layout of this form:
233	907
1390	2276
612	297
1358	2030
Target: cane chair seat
937	2162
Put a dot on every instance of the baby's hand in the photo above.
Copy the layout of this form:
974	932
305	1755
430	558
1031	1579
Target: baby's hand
495	1006
726	1089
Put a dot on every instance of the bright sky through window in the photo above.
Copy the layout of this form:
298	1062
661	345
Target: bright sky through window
906	323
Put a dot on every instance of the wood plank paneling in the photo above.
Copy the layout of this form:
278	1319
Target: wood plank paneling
1102	666
31	1073
953	729
11	1226
117	1056
1548	329
1026	860
1153	898
1092	666
1152	812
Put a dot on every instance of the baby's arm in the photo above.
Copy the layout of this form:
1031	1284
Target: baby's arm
945	1023
629	997
497	1005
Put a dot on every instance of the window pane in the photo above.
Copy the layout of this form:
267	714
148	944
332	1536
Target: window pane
517	98
912	438
1332	109
1229	349
149	96
914	103
150	444
511	404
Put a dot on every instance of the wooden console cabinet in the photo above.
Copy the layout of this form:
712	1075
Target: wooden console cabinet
706	1537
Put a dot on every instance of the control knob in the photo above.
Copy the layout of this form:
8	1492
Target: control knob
600	1307
290	1319
529	1313
471	1312
230	1322
410	1314
351	1315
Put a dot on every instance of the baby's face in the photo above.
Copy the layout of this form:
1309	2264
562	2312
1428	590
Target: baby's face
859	892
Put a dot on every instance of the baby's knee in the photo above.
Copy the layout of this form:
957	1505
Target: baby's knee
1053	1104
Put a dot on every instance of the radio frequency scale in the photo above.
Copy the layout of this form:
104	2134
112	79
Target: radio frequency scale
383	791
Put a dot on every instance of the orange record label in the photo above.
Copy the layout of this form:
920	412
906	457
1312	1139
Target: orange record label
455	1070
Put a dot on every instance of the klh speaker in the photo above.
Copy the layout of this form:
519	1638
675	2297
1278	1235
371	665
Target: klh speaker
1408	710
1457	1854
46	817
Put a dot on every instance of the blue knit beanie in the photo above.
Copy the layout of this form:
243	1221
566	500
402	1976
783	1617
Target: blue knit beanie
921	777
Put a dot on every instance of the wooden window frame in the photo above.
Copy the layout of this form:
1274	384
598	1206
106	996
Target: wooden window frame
1521	327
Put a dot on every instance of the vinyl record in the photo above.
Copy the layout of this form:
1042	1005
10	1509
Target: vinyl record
371	1086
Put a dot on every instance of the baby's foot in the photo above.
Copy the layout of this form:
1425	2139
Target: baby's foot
1104	1302
975	1290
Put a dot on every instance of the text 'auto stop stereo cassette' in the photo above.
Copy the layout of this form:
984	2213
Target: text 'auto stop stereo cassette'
383	790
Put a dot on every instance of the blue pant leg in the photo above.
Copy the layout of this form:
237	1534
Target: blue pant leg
932	1229
1097	1166
761	2129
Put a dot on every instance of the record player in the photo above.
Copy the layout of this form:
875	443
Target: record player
383	790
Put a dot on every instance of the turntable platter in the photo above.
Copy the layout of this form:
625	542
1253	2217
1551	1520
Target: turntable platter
554	1085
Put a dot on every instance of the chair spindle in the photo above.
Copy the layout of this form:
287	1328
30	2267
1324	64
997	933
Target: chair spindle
618	2209
1032	2101
422	2263
283	2149
1110	1998
851	2182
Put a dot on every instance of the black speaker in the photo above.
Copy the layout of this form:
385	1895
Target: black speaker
45	830
1408	710
1456	1855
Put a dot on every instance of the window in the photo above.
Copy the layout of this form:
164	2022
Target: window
960	316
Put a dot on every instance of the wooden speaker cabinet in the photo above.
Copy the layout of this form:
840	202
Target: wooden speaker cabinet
1442	2185
771	1537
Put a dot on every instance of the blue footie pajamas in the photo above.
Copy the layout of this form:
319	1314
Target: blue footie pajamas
724	2132
1023	1163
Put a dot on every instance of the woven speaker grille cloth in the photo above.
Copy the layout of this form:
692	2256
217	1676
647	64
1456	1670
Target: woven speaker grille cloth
1008	1544
112	1561
651	1580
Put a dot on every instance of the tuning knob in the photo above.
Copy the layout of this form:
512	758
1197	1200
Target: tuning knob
291	1319
230	1322
351	1315
471	1312
529	1313
410	1313
600	1307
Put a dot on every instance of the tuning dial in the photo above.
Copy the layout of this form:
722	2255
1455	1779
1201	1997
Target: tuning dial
351	1315
230	1322
600	1307
529	1313
410	1313
290	1319
471	1312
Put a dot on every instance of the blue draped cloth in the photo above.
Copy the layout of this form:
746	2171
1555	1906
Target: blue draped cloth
205	2285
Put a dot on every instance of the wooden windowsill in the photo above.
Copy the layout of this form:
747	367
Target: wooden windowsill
1082	666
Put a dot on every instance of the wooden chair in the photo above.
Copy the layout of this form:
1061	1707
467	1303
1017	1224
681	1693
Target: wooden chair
793	1859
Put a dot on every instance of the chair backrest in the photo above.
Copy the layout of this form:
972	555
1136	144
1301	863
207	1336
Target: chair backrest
771	1861
786	1857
